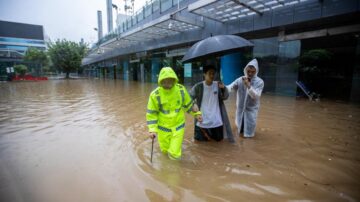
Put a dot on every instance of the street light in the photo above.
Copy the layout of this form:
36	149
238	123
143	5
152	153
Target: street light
116	8
96	29
116	21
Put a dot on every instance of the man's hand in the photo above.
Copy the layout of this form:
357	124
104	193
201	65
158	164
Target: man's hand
221	85
195	108
199	118
234	87
152	135
246	81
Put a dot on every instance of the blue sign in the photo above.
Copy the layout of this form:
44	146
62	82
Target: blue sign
187	70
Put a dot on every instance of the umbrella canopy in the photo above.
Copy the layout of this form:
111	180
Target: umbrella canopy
216	46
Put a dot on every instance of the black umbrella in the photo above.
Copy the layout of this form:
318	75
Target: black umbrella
216	46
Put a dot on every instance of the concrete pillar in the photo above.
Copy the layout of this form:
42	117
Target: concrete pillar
109	15
142	72
126	70
155	69
114	71
100	28
232	66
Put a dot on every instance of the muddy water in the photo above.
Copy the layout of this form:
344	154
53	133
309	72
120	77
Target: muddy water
84	140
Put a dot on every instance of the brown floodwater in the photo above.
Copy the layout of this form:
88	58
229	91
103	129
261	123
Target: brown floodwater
85	140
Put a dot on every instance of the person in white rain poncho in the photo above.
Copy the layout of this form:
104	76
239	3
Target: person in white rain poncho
248	88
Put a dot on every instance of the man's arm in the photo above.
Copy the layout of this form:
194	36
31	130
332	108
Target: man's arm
224	92
191	107
152	113
255	91
233	85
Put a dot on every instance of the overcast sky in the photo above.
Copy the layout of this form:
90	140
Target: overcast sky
69	19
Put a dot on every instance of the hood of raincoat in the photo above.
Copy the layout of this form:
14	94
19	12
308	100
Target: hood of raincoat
167	72
254	63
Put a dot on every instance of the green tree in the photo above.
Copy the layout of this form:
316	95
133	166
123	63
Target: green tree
66	55
37	56
314	66
20	69
316	61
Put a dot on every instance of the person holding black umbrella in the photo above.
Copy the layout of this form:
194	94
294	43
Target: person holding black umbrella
209	96
249	88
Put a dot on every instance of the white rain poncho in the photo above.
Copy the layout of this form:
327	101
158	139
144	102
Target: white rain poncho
247	100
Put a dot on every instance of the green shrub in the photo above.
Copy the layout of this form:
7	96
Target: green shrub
21	69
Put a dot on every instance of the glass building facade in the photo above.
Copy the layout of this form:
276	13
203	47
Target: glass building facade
15	39
287	41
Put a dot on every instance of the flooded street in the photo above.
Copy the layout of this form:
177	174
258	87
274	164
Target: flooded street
85	140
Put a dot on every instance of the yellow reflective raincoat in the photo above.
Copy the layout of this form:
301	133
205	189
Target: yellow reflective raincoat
166	114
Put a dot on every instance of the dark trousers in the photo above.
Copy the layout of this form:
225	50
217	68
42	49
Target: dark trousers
206	134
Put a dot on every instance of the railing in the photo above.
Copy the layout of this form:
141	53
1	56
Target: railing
154	6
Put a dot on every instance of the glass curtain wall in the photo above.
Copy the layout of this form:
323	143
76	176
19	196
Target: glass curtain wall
287	70
278	64
266	51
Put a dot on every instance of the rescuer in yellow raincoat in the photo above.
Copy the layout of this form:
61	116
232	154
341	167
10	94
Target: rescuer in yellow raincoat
165	114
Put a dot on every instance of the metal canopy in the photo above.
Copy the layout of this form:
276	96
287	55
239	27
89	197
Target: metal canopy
164	26
228	10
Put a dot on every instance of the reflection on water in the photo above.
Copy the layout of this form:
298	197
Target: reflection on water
85	140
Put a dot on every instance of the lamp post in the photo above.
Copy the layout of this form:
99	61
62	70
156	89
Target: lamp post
96	29
116	9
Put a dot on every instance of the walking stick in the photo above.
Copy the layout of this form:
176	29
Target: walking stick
152	149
